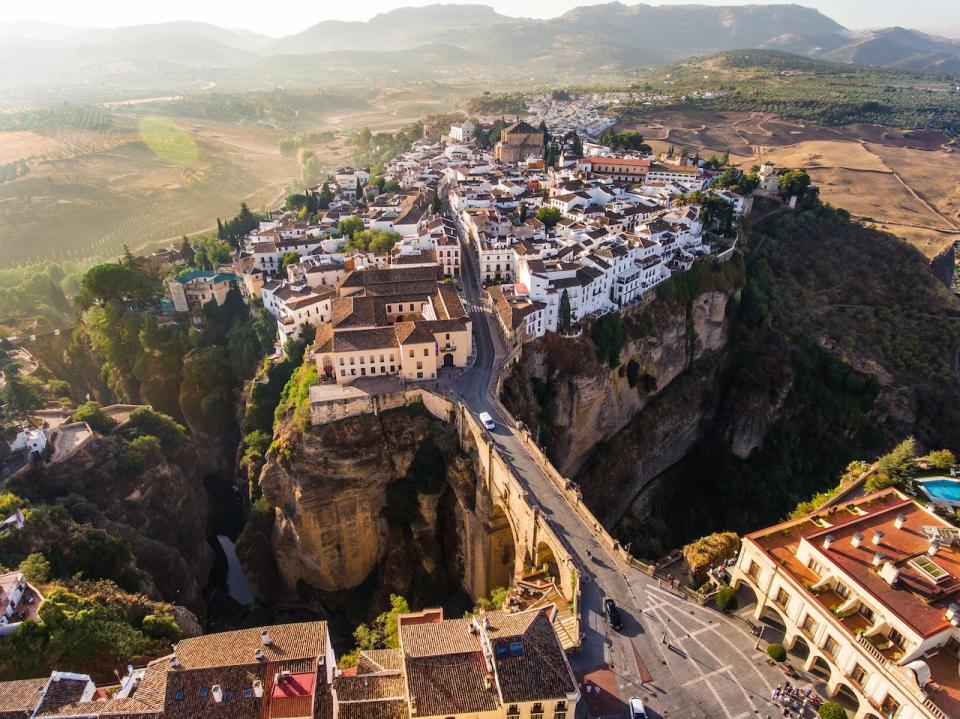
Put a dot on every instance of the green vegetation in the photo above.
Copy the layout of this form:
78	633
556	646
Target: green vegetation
549	216
793	86
295	398
168	142
377	241
64	117
626	140
609	336
501	104
726	599
895	467
91	413
777	652
290	145
831	710
90	627
382	633
854	470
941	459
374	150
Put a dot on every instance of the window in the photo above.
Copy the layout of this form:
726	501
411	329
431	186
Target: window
858	675
393	368
361	360
426	351
536	711
204	693
411	353
513	711
809	626
814	565
179	695
381	359
228	695
560	710
890	707
419	364
842	590
351	361
343	373
341	361
783	599
830	647
866	612
248	693
896	637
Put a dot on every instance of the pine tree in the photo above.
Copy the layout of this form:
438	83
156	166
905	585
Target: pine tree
565	312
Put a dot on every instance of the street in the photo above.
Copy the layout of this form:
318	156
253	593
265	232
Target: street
682	659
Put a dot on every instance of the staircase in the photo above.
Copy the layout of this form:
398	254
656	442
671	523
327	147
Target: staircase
565	623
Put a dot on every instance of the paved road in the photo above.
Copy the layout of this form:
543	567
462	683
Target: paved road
696	663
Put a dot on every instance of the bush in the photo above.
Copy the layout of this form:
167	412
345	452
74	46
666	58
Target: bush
832	710
91	413
777	652
145	421
35	568
161	626
894	467
726	599
941	459
147	447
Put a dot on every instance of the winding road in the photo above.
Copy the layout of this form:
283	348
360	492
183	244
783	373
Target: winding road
684	660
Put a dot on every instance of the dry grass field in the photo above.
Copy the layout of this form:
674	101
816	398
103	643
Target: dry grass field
907	182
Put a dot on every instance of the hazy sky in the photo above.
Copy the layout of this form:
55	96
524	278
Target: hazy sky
281	17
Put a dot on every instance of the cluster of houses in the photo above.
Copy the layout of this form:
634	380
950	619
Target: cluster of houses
498	666
612	229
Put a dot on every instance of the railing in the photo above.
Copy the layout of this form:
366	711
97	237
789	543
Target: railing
902	677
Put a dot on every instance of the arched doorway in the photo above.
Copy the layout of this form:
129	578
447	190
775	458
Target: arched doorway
503	551
773	618
800	648
847	698
448	360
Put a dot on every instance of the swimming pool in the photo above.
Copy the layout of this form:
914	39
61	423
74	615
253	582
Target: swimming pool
942	490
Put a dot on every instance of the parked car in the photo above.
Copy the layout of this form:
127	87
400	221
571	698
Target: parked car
612	613
636	708
487	421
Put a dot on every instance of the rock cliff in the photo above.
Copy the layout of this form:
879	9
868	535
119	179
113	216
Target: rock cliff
364	507
574	402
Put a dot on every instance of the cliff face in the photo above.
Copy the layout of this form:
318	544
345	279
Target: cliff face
560	390
366	505
161	511
841	343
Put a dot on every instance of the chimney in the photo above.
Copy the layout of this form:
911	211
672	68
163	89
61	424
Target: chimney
856	539
900	520
934	547
174	662
259	655
827	541
877	559
217	693
953	612
877	537
265	638
889	573
257	688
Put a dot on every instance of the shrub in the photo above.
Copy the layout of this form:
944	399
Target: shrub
91	413
777	652
35	568
145	421
726	599
832	710
161	626
895	466
941	459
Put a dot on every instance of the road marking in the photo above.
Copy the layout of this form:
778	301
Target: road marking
721	670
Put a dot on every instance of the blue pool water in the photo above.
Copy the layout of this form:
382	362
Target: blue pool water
947	490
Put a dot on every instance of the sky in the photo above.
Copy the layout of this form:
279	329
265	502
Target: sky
284	17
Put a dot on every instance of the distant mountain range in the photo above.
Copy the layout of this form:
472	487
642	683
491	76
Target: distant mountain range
584	41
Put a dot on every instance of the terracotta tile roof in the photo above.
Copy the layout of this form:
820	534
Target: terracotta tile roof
540	672
19	698
410	333
387	709
366	687
449	683
288	641
365	339
379	660
189	692
436	638
61	691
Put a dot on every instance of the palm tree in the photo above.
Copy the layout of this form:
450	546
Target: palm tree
680	200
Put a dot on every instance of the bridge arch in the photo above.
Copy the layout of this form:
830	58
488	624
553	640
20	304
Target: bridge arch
502	550
545	562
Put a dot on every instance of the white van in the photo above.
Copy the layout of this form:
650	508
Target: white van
487	421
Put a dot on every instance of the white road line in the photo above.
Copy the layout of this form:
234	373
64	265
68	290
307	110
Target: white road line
721	670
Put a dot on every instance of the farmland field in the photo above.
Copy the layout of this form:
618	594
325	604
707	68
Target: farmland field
907	182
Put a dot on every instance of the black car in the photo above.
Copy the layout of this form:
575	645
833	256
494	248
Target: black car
612	614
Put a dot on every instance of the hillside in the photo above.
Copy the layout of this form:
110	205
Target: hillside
585	42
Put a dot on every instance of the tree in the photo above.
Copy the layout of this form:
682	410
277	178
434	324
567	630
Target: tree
565	312
21	395
435	205
894	467
325	197
36	568
609	336
111	281
91	413
289	258
384	632
794	183
549	216
831	710
680	200
186	250
523	212
349	226
941	459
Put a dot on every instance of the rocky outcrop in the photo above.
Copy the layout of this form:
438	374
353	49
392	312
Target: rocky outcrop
373	498
160	511
581	403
